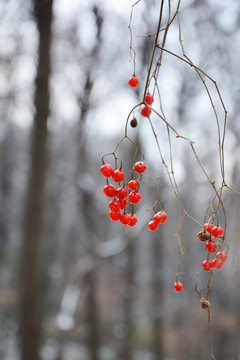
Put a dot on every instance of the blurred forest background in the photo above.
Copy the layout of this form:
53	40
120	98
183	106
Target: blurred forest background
74	285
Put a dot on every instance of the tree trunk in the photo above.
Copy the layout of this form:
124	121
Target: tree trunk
127	350
93	318
5	191
86	201
30	297
157	296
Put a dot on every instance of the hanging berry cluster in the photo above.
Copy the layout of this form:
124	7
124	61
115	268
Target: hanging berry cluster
123	195
212	236
159	218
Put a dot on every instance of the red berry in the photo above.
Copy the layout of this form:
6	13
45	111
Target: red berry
121	192
223	257
149	99
217	231
210	246
216	263
109	190
140	167
146	111
152	225
118	204
178	286
118	175
123	203
160	217
124	219
114	215
133	81
106	170
133	184
208	227
133	220
114	205
206	265
134	197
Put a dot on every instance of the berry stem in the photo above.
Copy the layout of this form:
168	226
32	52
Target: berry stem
131	40
126	125
132	209
132	142
210	333
154	49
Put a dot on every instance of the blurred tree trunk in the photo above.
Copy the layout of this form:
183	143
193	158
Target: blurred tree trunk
86	201
93	317
127	350
30	297
5	190
86	208
157	296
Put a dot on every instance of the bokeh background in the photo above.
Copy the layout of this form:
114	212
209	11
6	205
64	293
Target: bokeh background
73	284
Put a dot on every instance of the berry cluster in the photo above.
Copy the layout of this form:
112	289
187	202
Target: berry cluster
159	218
120	195
211	234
